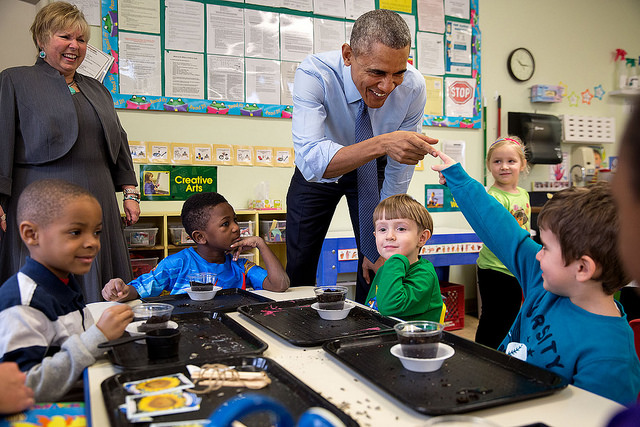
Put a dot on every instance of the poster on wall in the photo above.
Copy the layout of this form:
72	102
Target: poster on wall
192	56
438	198
168	182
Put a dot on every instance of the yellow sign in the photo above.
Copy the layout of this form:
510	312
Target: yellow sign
397	5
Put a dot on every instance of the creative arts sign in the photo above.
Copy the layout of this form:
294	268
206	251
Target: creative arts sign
171	182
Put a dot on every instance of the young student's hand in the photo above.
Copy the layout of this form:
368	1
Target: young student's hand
114	320
368	266
15	396
117	290
447	161
245	243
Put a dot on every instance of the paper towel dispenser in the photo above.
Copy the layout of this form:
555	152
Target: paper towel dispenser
541	133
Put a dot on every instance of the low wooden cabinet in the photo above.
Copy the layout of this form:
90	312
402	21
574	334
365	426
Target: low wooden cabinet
262	221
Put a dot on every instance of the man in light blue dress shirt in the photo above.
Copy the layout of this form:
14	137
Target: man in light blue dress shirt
327	92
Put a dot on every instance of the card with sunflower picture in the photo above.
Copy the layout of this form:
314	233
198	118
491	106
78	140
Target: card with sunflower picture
141	407
157	384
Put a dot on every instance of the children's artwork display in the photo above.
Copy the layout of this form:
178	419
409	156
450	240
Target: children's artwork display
239	58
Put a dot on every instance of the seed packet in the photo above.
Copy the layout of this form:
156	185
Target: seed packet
189	423
158	384
140	407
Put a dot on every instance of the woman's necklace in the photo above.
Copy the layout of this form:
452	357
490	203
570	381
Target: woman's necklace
70	85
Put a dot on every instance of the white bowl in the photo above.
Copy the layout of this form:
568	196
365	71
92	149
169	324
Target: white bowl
334	314
459	421
424	365
203	295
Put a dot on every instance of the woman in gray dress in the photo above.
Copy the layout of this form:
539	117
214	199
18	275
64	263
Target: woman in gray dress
57	123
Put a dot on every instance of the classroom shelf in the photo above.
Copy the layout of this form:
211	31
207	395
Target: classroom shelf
164	246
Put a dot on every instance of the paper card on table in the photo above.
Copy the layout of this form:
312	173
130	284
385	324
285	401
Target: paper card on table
244	155
433	105
264	156
142	406
222	154
283	157
138	151
159	152
181	153
158	384
202	153
188	423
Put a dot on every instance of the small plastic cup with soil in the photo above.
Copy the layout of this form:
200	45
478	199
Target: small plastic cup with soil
202	281
419	338
155	315
330	297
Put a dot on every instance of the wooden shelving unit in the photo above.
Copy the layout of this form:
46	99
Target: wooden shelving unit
164	220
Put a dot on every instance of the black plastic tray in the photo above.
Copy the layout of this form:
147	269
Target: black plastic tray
226	300
475	377
296	396
298	323
204	336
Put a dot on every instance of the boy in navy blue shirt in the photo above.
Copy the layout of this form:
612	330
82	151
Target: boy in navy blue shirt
45	326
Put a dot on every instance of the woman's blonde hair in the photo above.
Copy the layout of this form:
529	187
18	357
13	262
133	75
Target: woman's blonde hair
512	141
55	17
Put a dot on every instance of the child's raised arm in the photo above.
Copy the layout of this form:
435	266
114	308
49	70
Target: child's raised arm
276	280
501	234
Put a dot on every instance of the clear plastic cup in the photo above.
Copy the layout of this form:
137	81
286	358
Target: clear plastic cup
330	297
419	338
202	281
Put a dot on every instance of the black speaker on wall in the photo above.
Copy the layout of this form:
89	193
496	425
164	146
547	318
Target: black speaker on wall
541	133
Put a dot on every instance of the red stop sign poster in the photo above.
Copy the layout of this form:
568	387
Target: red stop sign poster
460	96
460	92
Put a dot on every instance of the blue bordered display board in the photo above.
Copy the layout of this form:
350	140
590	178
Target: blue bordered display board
220	106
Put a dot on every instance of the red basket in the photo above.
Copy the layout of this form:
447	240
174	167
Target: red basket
453	297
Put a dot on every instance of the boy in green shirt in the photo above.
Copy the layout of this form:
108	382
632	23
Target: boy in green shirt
406	286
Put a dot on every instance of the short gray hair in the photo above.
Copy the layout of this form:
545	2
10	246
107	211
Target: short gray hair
379	26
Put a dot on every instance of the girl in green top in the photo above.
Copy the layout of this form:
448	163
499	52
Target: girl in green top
500	291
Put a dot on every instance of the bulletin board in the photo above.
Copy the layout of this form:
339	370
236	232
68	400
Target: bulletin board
201	56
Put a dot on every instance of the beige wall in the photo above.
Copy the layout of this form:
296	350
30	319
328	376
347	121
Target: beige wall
571	40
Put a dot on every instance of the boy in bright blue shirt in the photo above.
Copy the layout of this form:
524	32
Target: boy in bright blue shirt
211	222
569	321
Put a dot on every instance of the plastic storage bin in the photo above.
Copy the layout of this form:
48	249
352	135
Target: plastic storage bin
249	255
246	228
142	265
140	237
179	236
453	297
273	231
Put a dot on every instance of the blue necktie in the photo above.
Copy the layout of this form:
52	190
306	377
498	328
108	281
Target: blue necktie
368	192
